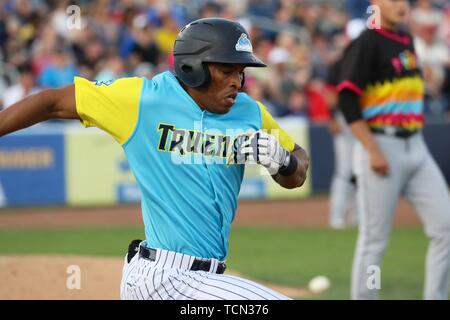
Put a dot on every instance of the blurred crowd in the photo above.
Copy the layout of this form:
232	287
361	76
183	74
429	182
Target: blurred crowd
45	43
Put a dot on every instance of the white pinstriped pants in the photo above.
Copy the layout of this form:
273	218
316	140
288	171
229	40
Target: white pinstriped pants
169	278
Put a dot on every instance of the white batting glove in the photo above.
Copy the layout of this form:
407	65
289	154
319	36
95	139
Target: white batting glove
263	148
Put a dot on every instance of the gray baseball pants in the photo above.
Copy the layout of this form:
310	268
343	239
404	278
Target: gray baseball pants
414	174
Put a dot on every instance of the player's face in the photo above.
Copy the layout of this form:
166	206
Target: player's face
393	12
225	83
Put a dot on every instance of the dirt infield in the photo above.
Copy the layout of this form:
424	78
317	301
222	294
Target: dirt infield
308	212
47	278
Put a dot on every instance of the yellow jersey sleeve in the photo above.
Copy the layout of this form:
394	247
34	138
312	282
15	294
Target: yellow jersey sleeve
272	127
112	107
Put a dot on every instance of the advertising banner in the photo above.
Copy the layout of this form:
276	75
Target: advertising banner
32	169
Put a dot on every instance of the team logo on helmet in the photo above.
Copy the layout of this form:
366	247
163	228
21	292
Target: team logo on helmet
244	44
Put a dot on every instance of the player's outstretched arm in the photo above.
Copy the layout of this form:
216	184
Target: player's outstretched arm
42	106
298	177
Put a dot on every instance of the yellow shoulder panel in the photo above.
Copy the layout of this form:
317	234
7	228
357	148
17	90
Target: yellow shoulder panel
110	106
273	128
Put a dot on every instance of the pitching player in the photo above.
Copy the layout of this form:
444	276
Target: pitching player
187	137
381	95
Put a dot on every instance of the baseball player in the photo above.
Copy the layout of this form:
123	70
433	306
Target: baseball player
187	137
342	191
381	95
342	188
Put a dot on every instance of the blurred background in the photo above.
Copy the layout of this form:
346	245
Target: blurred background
115	38
44	44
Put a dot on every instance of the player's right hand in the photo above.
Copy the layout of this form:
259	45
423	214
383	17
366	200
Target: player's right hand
378	162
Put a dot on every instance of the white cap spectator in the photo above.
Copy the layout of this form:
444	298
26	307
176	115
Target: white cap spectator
279	55
354	28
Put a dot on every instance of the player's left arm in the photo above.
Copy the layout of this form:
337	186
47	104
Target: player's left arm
48	104
273	148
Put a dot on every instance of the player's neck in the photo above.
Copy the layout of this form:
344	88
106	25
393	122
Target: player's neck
389	26
192	93
195	94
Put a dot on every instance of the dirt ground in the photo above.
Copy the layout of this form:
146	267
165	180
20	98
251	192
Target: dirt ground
45	277
50	277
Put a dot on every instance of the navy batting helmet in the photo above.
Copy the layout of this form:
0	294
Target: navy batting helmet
211	40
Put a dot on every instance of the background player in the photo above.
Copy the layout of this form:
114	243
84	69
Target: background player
342	201
342	190
381	95
179	134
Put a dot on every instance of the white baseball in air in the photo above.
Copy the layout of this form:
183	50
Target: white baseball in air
319	284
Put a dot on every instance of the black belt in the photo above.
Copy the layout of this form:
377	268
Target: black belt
395	132
197	265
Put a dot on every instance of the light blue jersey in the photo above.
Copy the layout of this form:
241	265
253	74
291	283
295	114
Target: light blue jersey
180	156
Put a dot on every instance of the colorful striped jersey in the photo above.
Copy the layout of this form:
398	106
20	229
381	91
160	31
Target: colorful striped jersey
381	67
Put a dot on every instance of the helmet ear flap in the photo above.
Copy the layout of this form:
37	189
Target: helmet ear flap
207	74
192	73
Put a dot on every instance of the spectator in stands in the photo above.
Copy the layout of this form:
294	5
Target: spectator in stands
432	52
301	38
25	86
444	31
145	46
113	69
60	72
279	82
297	104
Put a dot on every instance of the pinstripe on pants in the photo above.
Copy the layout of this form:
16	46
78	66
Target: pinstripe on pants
169	278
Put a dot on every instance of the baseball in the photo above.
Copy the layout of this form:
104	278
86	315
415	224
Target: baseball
319	284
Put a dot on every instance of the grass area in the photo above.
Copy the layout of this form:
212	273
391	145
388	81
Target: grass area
85	241
290	256
293	256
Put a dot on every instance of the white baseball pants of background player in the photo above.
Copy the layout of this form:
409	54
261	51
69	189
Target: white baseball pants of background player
168	277
414	173
342	190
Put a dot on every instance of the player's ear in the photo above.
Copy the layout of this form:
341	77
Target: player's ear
242	80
